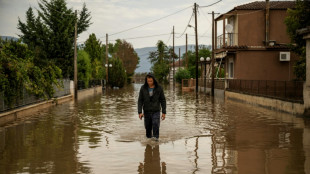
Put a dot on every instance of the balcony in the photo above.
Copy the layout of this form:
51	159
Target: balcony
231	39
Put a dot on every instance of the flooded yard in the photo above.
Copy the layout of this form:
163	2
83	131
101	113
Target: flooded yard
103	134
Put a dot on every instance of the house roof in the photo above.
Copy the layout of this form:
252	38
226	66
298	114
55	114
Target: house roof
261	5
176	63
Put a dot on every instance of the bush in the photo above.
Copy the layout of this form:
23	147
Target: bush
182	74
84	67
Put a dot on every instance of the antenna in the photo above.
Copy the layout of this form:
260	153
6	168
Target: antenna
229	28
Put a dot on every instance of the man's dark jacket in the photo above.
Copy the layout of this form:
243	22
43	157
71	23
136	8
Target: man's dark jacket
154	103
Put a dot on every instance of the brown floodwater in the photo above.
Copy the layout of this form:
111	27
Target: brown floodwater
102	134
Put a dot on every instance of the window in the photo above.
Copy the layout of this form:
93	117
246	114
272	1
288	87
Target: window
231	69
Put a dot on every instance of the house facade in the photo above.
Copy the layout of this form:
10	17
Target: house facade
254	45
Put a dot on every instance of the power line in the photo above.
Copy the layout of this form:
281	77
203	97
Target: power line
150	22
140	37
186	25
169	38
210	4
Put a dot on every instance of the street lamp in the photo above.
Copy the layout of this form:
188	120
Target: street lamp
107	76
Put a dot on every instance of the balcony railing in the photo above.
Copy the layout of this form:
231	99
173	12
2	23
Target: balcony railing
230	40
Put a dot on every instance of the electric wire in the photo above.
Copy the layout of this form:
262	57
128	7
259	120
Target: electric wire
150	21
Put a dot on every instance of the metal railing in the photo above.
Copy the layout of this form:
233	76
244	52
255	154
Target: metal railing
286	90
218	83
28	99
230	40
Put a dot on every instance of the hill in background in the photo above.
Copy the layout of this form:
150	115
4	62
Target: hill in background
143	53
9	38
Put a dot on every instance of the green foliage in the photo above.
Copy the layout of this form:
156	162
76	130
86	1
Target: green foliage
298	18
161	70
203	52
160	61
96	53
125	51
182	73
18	71
117	74
221	72
84	67
50	35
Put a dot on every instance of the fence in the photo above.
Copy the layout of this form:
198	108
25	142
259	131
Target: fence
28	99
287	90
92	83
218	83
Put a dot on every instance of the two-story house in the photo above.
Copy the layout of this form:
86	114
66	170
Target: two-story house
254	43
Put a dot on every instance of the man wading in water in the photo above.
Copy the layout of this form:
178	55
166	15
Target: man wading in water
151	99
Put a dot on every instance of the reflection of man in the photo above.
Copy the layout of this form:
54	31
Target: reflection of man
152	161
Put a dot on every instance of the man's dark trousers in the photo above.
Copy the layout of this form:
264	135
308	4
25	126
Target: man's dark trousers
152	122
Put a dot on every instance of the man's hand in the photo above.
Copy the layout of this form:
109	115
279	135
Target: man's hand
140	116
163	116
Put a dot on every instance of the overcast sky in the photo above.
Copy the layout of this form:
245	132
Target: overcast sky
112	16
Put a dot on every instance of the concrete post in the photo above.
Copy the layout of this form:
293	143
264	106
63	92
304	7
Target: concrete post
306	33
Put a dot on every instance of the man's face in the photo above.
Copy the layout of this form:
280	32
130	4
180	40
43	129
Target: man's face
150	81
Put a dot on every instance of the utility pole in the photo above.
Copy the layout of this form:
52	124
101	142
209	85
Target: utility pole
212	82
179	58
173	58
196	35
75	60
186	59
106	59
212	55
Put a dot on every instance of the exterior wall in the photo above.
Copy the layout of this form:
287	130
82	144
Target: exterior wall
30	110
288	107
13	115
263	65
251	28
278	27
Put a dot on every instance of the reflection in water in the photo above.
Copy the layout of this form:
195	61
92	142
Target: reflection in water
200	135
152	162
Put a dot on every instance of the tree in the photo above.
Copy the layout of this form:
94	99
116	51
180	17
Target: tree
298	18
125	51
203	52
117	74
84	67
18	72
160	61
50	35
96	53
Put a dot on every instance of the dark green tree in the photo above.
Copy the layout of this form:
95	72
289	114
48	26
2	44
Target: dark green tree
298	18
160	61
117	74
84	67
128	55
96	53
50	35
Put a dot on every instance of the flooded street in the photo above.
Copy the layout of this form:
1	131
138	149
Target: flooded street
103	134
